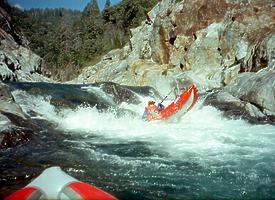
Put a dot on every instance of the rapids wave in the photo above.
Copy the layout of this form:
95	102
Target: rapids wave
200	155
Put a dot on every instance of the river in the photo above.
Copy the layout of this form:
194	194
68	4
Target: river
201	155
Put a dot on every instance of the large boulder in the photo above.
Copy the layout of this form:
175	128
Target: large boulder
7	103
251	95
15	126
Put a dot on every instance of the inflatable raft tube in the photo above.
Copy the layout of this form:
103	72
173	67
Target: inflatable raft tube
180	105
54	183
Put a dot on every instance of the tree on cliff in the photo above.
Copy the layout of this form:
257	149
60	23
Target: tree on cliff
68	40
119	19
92	30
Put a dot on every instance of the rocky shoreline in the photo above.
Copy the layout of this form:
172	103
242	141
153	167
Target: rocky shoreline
255	100
225	45
17	63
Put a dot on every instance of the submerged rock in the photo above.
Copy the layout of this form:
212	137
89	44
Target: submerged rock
119	93
128	94
12	137
15	126
7	102
15	130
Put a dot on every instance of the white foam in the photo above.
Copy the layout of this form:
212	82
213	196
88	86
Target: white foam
99	92
41	105
203	133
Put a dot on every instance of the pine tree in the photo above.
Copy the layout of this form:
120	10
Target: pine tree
95	4
91	8
93	29
68	40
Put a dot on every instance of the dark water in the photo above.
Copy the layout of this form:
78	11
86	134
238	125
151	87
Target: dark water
201	156
143	173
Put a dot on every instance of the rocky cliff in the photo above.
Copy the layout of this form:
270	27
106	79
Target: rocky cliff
17	61
210	43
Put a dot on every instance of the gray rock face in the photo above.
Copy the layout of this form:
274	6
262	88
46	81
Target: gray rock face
208	43
251	95
17	62
19	131
256	88
5	123
271	52
8	31
7	103
214	40
15	127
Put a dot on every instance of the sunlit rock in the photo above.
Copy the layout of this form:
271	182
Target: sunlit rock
5	73
208	43
7	103
17	61
230	73
257	88
204	53
15	128
251	96
212	39
5	124
271	52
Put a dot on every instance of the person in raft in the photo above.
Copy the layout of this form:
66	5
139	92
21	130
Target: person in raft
151	110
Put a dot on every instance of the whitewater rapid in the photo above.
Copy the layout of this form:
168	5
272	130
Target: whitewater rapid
201	151
203	131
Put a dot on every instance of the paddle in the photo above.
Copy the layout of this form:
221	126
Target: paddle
167	95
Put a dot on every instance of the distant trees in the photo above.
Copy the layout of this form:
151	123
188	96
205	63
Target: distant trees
68	40
92	30
119	19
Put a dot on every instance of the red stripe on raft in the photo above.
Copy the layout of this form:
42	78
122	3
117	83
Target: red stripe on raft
195	97
21	194
179	103
88	192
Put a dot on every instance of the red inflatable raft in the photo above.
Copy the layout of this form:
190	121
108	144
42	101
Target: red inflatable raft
180	105
53	183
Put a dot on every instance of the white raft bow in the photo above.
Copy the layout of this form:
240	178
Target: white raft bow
54	183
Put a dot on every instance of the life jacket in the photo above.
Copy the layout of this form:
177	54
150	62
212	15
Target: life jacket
152	112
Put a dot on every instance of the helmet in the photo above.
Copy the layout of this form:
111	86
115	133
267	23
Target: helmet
151	102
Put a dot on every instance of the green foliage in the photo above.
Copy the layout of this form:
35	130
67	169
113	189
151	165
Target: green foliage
68	40
117	43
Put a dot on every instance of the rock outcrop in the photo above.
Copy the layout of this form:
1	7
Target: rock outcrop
205	42
14	125
214	39
17	61
250	95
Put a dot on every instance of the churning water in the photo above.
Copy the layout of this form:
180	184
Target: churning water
201	155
